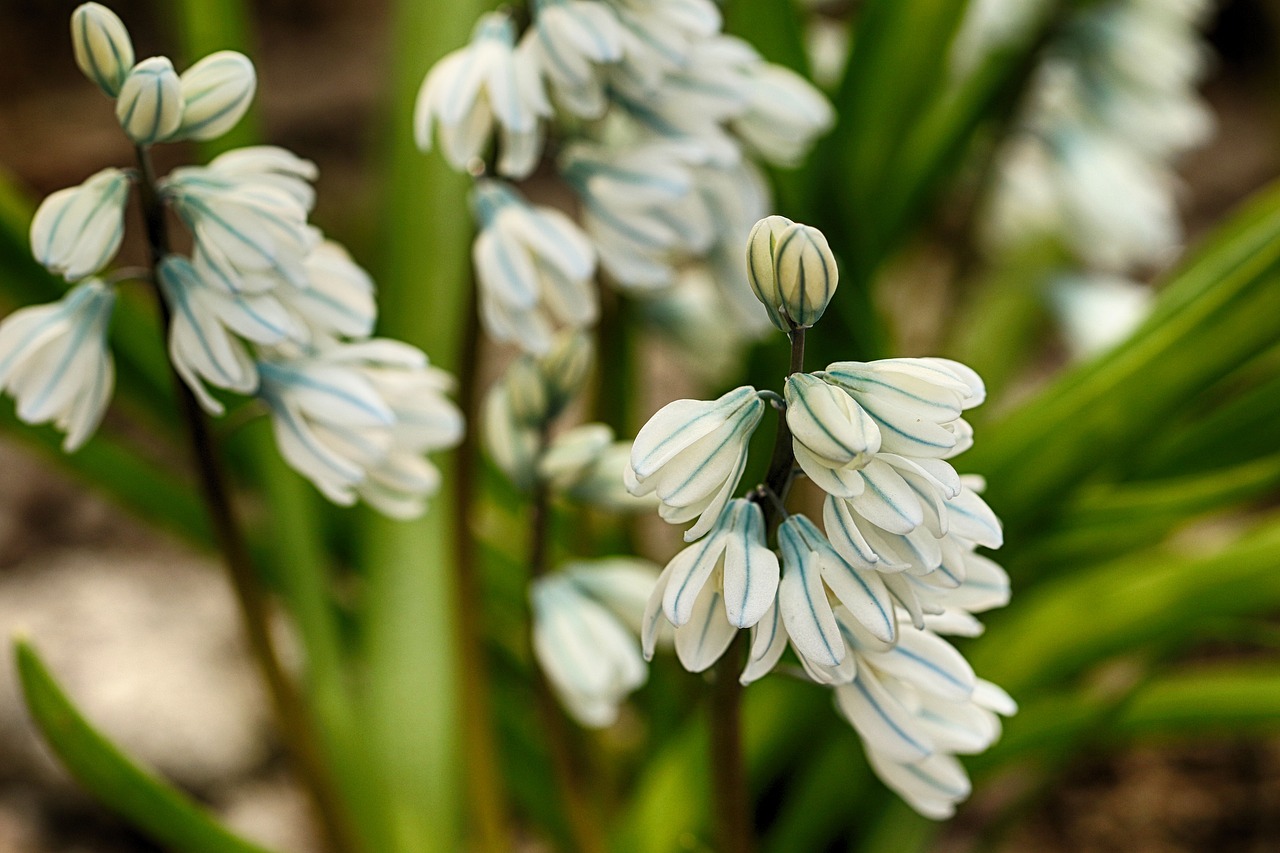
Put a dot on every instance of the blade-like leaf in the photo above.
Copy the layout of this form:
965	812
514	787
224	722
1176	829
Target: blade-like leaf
159	810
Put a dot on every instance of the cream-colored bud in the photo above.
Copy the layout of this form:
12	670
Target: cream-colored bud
526	392
565	368
102	46
216	92
150	103
760	266
806	274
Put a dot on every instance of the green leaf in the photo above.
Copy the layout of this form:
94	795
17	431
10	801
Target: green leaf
158	809
1219	311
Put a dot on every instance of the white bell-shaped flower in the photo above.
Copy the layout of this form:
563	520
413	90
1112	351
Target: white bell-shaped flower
338	301
473	88
659	36
207	326
269	165
692	454
569	42
726	581
77	231
534	266
399	483
832	436
586	464
55	362
216	93
330	422
583	635
784	115
812	568
149	106
250	224
102	46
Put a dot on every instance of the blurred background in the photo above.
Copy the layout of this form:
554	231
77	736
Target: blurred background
142	630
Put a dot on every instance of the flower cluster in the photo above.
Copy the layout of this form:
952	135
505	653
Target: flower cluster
1112	106
863	600
262	305
658	120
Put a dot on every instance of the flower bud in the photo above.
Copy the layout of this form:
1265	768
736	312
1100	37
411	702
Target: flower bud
526	392
216	92
77	231
150	104
806	274
565	369
102	47
760	266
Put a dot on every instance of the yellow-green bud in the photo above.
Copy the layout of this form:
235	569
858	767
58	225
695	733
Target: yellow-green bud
760	265
526	392
216	91
806	274
102	46
150	103
565	368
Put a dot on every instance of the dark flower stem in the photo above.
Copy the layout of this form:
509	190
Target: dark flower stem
296	726
580	812
730	794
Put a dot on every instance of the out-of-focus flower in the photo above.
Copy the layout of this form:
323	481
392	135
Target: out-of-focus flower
102	46
473	88
77	231
338	300
569	42
149	105
1098	311
692	454
216	92
534	265
785	113
55	362
586	464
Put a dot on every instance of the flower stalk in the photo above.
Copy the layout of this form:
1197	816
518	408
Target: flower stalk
295	724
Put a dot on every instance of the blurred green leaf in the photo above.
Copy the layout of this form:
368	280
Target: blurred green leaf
156	808
1221	309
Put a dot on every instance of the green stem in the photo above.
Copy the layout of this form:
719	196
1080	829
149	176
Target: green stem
730	794
584	823
481	771
295	724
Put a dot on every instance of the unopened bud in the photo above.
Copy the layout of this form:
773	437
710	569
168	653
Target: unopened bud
102	46
216	92
565	368
760	266
806	274
150	103
526	392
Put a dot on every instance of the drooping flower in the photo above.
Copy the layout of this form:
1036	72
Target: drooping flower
77	231
55	362
534	265
485	83
832	436
784	114
338	300
207	326
692	454
584	634
569	42
586	464
709	590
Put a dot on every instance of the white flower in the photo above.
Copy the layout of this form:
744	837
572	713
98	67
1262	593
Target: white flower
472	88
1097	312
77	231
812	568
916	402
832	436
55	362
216	92
534	266
583	636
102	46
568	42
269	165
338	300
330	422
149	106
401	480
207	324
709	590
249	223
784	115
661	34
586	464
692	454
